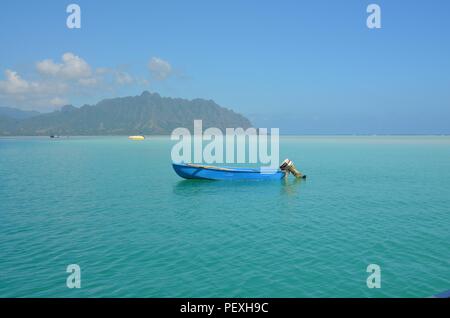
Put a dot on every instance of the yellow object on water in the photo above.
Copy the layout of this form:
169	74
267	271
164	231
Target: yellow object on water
136	137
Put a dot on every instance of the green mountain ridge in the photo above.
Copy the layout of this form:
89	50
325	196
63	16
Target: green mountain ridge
148	114
17	113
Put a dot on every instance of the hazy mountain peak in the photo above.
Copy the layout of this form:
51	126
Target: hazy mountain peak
15	113
148	113
68	108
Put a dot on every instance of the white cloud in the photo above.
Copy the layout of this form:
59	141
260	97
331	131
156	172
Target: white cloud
48	67
159	68
123	78
53	84
18	92
72	66
13	84
58	101
102	70
31	94
143	81
88	81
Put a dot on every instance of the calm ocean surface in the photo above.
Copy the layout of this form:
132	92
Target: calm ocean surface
116	208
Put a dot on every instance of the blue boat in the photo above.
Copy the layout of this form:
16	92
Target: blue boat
445	294
194	171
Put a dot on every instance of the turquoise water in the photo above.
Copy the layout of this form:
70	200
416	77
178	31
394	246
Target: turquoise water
117	209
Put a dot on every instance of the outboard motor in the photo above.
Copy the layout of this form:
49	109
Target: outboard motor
288	165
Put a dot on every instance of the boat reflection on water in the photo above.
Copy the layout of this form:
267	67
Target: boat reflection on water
192	187
189	187
291	186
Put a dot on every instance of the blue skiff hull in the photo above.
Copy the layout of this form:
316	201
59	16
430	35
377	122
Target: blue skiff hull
188	171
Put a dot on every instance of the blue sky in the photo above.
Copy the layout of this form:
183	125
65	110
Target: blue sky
304	66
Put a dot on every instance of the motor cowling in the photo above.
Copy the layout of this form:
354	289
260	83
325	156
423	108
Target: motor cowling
288	165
